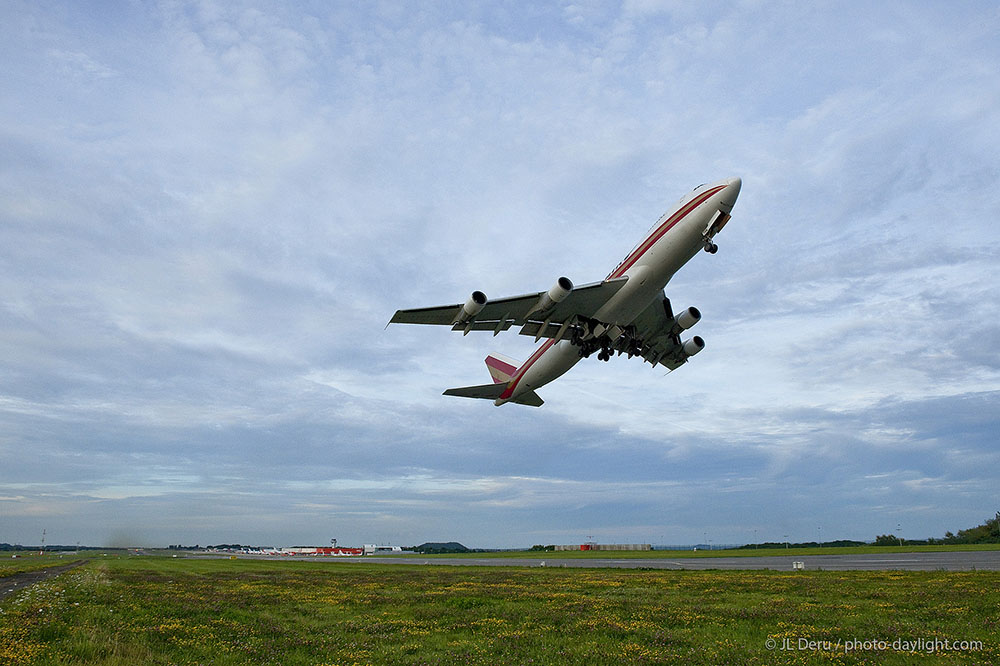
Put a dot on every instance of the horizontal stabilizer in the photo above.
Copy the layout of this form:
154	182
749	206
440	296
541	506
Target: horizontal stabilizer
529	398
492	392
487	391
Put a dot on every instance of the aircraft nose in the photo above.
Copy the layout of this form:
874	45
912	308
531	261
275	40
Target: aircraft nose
732	191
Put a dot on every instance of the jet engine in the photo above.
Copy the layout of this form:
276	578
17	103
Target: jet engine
472	307
558	293
693	346
687	318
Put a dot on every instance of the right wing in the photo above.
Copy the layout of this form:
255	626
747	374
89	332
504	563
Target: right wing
537	314
657	332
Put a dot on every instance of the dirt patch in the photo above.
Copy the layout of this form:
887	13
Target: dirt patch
13	583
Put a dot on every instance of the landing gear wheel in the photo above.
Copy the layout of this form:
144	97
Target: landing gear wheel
711	248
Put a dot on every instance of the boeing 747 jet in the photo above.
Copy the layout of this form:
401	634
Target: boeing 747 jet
626	313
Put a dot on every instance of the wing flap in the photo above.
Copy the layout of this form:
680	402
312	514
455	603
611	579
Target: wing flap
479	325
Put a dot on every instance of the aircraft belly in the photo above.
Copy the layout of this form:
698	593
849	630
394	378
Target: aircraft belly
628	303
556	361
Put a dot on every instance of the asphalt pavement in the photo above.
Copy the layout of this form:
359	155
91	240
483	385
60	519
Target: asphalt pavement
14	582
983	560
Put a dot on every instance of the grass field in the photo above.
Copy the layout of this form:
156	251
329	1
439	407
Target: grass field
153	610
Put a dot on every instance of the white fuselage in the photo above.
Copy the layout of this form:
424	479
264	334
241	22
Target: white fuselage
672	242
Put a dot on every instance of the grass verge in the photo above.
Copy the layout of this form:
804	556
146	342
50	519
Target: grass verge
177	611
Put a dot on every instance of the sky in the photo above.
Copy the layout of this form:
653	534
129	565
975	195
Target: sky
210	210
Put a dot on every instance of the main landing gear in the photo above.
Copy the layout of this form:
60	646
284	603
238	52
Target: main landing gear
600	345
588	347
605	346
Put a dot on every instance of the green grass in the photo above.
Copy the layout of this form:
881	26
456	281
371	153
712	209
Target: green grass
182	611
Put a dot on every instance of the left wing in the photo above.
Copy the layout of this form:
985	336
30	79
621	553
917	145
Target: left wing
544	314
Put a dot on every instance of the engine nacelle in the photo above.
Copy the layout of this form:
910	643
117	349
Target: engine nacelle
557	294
693	346
472	307
687	318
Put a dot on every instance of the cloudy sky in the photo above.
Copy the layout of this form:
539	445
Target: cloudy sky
210	210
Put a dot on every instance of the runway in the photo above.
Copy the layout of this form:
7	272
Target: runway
984	560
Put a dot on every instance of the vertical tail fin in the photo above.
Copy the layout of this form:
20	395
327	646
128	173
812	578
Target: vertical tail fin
501	367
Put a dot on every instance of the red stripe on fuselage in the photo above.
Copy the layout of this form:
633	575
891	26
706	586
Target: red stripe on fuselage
658	233
509	391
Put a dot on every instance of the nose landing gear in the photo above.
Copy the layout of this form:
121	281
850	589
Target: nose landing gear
711	247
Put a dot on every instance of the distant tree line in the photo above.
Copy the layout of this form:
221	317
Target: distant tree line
804	544
988	532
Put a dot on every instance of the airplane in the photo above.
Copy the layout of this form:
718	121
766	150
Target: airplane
627	312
